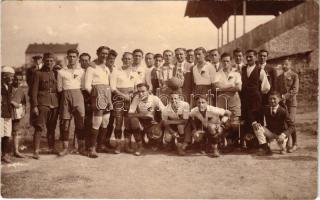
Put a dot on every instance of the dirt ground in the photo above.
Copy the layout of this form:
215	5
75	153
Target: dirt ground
162	175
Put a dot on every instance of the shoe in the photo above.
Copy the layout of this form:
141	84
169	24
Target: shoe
36	155
282	152
101	149
65	150
264	152
127	147
82	148
139	149
292	149
181	149
92	153
215	153
5	158
117	150
17	154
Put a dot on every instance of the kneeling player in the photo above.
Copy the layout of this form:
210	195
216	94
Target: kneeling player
279	126
141	114
206	125
174	119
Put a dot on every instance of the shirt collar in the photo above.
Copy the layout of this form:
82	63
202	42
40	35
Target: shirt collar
275	108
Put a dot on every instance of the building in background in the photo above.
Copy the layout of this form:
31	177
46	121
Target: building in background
293	33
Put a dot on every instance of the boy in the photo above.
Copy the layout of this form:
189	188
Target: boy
18	102
174	119
279	126
207	119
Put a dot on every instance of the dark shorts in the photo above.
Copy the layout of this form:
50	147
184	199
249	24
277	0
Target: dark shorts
101	98
71	102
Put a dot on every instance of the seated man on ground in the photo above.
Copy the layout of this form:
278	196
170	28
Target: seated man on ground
207	124
141	114
279	126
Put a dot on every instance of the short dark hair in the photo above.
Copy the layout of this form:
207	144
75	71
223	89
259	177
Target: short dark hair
189	50
38	57
201	96
48	55
149	53
143	85
113	53
180	48
85	54
204	51
274	93
251	50
101	48
127	52
137	50
264	50
225	54
167	50
70	51
158	55
236	50
212	50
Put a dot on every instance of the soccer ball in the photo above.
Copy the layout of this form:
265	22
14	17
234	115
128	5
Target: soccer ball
175	83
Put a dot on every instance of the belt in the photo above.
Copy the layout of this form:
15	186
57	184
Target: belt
51	90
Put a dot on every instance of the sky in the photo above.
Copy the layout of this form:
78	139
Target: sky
152	26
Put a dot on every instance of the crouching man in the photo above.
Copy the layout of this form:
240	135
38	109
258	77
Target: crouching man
206	125
174	119
278	126
141	114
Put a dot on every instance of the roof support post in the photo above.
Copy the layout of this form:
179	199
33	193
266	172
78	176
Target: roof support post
244	7
228	31
222	35
218	43
235	23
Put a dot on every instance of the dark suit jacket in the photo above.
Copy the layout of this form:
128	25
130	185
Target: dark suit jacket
44	88
280	122
288	85
29	77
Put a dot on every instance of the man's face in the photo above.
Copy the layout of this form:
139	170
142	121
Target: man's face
103	55
158	61
226	62
274	100
190	56
286	65
143	93
199	55
127	60
175	99
84	61
238	57
49	62
149	60
251	58
137	58
214	56
38	61
110	60
167	56
72	58
263	56
202	104
180	55
7	78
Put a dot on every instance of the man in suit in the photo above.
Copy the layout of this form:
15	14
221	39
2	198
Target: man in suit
254	84
238	60
214	57
288	86
279	126
44	103
190	56
182	71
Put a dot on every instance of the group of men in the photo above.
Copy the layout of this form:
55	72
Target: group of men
173	99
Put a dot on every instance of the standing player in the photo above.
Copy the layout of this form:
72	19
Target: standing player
123	81
141	114
190	56
44	103
70	83
214	56
149	59
97	85
155	74
138	65
238	60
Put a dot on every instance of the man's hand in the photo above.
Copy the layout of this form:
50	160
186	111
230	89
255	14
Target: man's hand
36	110
281	138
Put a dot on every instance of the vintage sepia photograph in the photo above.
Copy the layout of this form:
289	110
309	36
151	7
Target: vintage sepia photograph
190	99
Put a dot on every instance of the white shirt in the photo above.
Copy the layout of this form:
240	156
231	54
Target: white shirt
265	85
263	65
96	74
69	79
237	67
185	66
148	77
205	75
215	113
232	77
121	78
152	103
216	66
274	109
183	109
166	72
141	72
